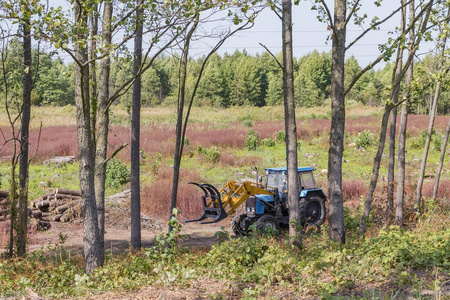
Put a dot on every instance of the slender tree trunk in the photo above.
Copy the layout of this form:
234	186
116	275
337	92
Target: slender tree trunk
93	71
423	164
375	170
135	135
335	200
384	123
102	127
441	161
179	127
23	167
403	125
85	146
393	127
290	123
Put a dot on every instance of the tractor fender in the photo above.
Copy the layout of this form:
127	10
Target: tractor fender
318	192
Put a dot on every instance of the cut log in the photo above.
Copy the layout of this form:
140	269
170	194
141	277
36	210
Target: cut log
68	192
37	214
57	160
71	213
3	194
62	208
56	218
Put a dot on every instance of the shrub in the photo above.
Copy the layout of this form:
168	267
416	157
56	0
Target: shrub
212	154
116	174
365	139
281	136
252	140
437	143
268	142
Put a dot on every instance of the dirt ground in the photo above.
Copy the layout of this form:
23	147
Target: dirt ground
118	240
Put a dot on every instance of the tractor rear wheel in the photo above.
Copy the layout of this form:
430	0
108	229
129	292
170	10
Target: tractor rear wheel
312	211
239	227
268	224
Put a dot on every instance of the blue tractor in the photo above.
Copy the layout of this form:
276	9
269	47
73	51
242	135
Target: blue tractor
266	204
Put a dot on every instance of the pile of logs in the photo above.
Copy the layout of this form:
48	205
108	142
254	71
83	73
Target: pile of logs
3	206
62	205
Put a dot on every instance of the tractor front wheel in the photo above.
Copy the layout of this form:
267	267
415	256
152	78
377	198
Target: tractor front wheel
239	226
312	211
268	224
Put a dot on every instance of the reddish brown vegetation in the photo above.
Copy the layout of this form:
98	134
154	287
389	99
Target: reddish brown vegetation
62	140
155	197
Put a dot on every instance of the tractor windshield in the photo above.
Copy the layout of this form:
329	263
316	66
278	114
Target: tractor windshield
306	180
277	180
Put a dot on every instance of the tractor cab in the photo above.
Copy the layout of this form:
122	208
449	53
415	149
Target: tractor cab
277	177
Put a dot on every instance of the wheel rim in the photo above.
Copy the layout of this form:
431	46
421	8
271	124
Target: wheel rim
269	225
313	212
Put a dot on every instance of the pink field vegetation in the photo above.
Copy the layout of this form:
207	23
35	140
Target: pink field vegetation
62	140
155	197
229	159
443	191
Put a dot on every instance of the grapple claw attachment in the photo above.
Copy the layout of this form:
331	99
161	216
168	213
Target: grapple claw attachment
212	205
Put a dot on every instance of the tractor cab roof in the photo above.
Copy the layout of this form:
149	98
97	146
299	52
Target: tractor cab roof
284	170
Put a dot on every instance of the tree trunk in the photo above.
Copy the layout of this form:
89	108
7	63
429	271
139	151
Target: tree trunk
85	146
400	199
135	135
102	127
393	126
93	70
179	127
290	124
384	123
441	161
24	137
376	168
423	164
335	200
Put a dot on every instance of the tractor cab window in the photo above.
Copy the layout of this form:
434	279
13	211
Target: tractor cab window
307	181
278	180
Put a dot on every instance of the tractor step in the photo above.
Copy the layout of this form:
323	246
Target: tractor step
212	205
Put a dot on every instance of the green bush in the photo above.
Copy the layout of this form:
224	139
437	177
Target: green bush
117	174
212	154
252	140
437	143
268	142
365	139
281	137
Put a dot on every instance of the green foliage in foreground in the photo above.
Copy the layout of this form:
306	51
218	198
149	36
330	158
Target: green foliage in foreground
321	267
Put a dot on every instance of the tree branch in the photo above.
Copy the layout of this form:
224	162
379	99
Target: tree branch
274	57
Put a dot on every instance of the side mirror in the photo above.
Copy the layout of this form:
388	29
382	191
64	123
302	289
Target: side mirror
260	179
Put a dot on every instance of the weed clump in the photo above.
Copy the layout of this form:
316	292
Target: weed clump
365	139
252	140
117	174
281	137
268	142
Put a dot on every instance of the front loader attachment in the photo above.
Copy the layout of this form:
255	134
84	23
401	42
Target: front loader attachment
212	205
234	195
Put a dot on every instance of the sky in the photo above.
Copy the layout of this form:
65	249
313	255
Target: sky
309	34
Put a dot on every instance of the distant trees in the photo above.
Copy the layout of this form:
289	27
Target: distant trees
236	79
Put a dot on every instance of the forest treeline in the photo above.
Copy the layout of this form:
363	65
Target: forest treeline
234	80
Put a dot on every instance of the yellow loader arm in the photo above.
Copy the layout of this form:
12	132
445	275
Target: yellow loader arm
234	194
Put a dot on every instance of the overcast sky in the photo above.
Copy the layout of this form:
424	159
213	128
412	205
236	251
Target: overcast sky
308	33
